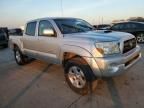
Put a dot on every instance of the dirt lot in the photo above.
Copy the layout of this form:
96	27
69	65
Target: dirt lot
41	85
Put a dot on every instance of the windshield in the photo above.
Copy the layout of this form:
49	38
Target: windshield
68	26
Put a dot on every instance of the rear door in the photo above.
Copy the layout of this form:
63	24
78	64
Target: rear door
30	38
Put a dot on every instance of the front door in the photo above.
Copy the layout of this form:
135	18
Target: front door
48	45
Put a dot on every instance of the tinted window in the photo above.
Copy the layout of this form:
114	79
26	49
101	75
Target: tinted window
138	26
2	35
142	25
133	26
119	26
1	31
116	27
15	32
122	26
44	25
126	26
30	29
130	26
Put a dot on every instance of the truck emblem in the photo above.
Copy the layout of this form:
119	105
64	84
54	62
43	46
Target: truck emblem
131	44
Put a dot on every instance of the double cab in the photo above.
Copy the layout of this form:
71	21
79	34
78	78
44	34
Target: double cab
85	53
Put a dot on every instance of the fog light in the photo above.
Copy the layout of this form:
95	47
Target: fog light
113	68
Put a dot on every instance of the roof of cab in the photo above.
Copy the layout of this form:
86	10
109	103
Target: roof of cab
51	18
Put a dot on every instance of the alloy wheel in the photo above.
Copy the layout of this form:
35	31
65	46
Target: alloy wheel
140	38
76	77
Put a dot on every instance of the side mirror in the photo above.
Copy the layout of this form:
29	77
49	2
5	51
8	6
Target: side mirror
48	32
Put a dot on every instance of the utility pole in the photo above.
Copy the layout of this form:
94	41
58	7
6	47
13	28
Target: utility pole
102	20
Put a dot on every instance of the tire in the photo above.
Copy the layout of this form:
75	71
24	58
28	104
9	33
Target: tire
19	57
140	37
79	76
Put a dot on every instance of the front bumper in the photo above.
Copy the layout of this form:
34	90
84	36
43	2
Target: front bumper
114	65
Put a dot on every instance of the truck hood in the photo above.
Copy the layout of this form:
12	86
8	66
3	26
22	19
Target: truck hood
100	36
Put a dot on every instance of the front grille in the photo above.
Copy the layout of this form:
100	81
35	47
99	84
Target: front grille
129	45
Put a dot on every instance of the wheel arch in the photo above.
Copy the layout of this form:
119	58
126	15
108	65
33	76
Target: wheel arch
69	52
70	55
14	45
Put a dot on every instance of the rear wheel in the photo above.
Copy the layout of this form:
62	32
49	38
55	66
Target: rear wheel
19	57
140	37
79	76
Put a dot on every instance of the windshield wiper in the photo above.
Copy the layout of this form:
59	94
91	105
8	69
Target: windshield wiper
84	26
73	27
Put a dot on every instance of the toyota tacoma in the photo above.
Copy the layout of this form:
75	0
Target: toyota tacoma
85	53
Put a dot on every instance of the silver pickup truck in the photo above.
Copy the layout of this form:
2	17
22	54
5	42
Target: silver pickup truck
85	54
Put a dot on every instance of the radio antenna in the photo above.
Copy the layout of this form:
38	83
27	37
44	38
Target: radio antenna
62	8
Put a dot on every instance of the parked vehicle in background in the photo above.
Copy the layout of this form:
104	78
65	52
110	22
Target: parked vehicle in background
3	38
102	26
15	32
85	54
5	29
135	28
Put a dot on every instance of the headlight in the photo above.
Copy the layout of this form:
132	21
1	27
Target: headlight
108	48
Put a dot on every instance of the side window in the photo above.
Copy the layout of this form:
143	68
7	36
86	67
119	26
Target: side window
45	25
139	26
134	26
127	26
30	29
116	27
122	26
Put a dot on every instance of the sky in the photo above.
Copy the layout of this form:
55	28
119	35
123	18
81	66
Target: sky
15	13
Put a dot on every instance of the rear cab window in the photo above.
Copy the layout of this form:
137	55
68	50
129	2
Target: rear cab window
31	28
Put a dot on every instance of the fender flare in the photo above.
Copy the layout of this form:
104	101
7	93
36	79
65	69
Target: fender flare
85	54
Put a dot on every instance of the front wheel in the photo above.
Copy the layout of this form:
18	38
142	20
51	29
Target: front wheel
79	76
140	38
